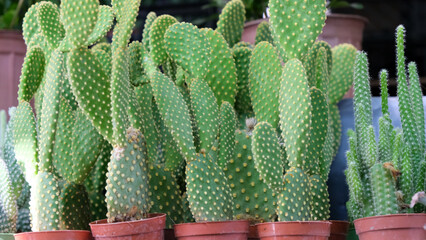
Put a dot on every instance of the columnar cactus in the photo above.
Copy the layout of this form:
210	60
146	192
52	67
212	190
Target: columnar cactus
388	174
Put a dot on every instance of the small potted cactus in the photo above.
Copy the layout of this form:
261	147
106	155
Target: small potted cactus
299	108
383	176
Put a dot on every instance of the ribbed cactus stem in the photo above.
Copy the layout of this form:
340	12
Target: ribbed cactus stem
384	90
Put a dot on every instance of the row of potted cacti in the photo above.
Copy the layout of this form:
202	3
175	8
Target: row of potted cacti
191	123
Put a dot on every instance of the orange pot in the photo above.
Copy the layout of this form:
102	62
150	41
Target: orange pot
55	235
253	235
338	230
150	228
392	227
297	230
224	230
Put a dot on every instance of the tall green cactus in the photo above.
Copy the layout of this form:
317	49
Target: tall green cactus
386	173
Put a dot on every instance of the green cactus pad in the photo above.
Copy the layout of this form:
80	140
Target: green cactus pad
336	125
103	25
74	207
23	224
242	56
127	183
322	77
294	202
174	112
62	149
222	73
227	129
104	58
32	74
342	74
96	181
265	76
44	204
320	206
25	139
156	37
30	26
209	195
125	12
383	190
242	44
267	155
206	113
85	149
253	199
88	79
120	94
50	24
189	48
103	46
135	63
295	24
295	112
231	21
146	39
8	204
319	129
55	75
144	96
79	21
165	195
310	61
263	33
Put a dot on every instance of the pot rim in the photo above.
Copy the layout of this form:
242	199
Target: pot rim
52	231
294	222
348	16
102	222
390	215
209	222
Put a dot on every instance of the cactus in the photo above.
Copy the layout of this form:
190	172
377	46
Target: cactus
231	22
263	33
377	170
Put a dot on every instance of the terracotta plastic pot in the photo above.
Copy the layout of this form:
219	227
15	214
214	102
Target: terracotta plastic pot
338	230
253	235
224	230
150	228
169	234
343	28
6	236
307	230
250	28
55	235
392	227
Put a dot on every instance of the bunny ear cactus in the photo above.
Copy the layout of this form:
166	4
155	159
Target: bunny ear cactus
388	175
231	22
263	33
295	29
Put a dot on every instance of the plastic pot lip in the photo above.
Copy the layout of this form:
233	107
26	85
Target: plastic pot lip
103	222
103	228
327	222
294	228
390	216
53	231
348	16
212	228
391	221
255	22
